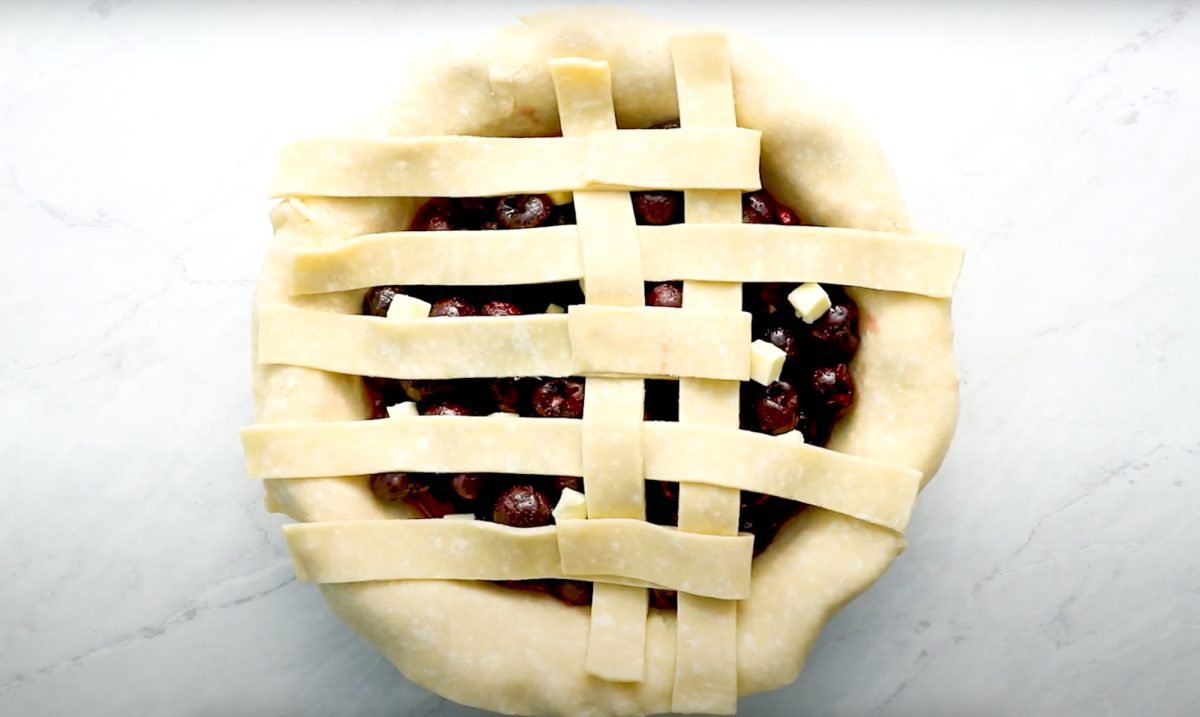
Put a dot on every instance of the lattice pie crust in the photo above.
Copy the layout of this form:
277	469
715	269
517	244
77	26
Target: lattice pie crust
461	129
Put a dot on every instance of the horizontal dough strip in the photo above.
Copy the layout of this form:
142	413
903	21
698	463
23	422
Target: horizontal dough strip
647	341
709	565
423	444
660	341
460	166
764	252
367	550
859	487
485	258
704	252
692	453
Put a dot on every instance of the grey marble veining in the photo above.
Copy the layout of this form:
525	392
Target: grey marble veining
1053	566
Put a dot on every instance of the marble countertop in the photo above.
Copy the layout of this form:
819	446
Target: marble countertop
1053	566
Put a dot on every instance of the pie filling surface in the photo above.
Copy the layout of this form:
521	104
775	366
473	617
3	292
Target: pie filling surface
814	391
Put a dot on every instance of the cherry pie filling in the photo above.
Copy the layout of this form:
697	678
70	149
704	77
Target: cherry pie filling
815	389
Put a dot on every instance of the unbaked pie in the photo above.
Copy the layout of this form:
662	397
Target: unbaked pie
600	370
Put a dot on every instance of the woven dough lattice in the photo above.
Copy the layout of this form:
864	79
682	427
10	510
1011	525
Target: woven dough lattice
612	340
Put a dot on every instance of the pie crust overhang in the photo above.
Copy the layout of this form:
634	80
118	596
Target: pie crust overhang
508	651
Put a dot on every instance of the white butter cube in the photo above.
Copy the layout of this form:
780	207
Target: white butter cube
555	309
795	436
402	410
408	307
459	516
810	301
571	506
766	362
502	414
561	198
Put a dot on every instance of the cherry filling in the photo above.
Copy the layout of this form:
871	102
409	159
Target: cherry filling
814	392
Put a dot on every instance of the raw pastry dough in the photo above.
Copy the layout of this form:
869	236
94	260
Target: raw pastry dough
706	669
815	157
612	423
716	566
702	251
657	341
491	166
526	256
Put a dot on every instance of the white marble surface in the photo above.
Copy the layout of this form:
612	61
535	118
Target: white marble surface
1053	566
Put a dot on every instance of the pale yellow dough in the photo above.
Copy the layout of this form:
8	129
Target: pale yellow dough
612	430
652	342
814	156
706	669
705	456
656	341
437	166
702	251
710	565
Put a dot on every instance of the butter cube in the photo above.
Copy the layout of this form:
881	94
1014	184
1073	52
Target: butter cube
571	506
555	309
459	516
408	307
561	198
810	302
766	362
402	410
795	436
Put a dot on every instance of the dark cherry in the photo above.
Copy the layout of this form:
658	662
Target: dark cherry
394	487
564	214
662	502
522	506
431	498
836	333
573	592
447	408
662	400
669	490
453	306
668	294
561	483
776	409
772	298
816	427
758	208
383	392
379	298
509	394
787	216
754	501
833	387
764	522
476	210
658	208
523	211
784	338
467	485
433	216
500	308
663	599
559	398
436	501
